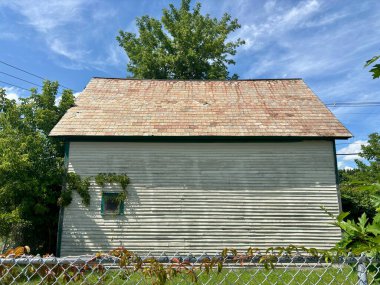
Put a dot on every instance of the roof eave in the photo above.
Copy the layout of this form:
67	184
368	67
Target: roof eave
195	138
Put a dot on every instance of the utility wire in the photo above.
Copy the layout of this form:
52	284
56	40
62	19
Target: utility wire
348	153
14	85
7	83
23	70
359	113
350	143
353	104
10	75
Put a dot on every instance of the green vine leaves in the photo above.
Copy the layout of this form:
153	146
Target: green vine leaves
103	178
75	182
112	178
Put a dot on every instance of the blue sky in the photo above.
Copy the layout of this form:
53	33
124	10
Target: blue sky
325	42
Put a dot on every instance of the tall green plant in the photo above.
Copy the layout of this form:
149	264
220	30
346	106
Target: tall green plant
361	236
31	166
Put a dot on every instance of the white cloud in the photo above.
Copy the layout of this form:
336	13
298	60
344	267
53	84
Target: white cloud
61	48
342	165
256	35
13	93
326	19
8	35
71	29
269	5
352	148
51	19
13	96
59	97
299	13
103	14
46	15
58	100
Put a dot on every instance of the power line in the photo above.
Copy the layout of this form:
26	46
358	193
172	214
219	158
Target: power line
35	75
361	106
350	143
7	83
14	85
10	75
348	153
30	73
353	104
359	113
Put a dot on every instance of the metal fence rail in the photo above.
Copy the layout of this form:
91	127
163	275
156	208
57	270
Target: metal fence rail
123	267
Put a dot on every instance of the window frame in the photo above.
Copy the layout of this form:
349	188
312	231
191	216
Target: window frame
119	212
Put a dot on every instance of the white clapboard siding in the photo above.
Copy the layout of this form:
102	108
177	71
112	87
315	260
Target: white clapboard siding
203	197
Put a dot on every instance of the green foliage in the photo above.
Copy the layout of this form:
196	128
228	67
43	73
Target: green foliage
10	225
65	199
361	236
75	183
358	202
121	197
375	68
184	45
109	178
31	165
359	184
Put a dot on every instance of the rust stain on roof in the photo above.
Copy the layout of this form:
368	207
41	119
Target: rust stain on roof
130	107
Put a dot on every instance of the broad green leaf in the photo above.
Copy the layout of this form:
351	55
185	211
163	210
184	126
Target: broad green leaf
372	60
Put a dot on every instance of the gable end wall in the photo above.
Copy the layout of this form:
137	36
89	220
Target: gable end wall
203	197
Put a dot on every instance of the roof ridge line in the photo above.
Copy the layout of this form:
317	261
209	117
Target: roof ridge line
202	80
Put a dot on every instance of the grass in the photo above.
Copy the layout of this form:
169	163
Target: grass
330	275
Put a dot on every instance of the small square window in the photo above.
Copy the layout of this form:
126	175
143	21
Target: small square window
111	205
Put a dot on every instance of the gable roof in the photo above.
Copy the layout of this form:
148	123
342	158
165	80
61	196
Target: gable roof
240	108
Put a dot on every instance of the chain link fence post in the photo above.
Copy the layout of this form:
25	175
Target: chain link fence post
362	271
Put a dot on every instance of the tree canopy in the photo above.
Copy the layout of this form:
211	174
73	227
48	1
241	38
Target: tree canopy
31	167
358	185
184	45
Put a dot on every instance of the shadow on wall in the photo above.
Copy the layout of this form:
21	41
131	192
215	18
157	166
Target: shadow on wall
85	229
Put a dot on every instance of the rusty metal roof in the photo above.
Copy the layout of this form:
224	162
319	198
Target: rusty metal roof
253	108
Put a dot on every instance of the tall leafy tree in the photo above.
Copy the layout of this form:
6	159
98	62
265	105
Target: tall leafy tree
31	167
358	185
184	45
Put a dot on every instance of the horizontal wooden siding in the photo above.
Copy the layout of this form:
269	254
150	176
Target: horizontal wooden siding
205	196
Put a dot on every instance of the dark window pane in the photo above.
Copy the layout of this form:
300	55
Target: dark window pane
111	205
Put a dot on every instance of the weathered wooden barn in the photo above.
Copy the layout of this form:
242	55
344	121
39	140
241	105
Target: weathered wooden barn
212	164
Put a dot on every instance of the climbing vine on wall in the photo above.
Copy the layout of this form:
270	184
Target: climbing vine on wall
113	178
109	178
75	182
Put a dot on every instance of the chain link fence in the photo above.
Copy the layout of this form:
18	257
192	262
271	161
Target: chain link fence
124	267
